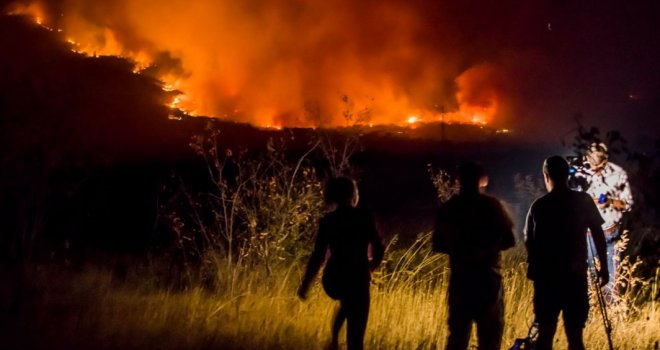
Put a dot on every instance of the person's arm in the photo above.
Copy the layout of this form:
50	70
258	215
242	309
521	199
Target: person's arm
529	236
315	261
624	201
507	238
619	204
377	248
528	231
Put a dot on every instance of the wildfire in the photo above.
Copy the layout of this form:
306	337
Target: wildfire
247	81
477	120
175	102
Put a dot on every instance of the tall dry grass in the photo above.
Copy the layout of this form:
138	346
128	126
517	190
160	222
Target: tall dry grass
90	309
238	258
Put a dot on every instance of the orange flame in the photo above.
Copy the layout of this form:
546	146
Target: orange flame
274	67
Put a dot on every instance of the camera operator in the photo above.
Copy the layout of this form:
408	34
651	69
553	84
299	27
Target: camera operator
607	183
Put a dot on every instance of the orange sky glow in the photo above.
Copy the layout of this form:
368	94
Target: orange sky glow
285	62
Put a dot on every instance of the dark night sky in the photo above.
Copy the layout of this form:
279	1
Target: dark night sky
547	61
559	58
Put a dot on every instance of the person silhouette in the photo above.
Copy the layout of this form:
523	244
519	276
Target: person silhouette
473	228
347	233
555	233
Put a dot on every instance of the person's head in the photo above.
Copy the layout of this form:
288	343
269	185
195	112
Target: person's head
341	191
555	172
597	155
472	176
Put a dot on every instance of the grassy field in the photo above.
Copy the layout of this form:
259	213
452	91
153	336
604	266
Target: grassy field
61	309
229	278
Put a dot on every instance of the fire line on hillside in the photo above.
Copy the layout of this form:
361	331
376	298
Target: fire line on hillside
191	97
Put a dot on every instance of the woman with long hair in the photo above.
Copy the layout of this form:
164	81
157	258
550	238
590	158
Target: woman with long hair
347	232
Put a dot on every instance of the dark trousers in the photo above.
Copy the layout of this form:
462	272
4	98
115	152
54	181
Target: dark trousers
354	309
568	295
478	301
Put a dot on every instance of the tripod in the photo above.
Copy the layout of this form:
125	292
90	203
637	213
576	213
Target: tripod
528	342
602	305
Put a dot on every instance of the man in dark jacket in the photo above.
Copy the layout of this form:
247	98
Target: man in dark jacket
473	229
556	238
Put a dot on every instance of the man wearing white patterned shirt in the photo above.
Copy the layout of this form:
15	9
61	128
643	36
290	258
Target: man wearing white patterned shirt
608	185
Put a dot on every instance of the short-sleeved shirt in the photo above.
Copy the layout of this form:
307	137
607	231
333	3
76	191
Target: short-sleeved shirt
556	233
611	181
473	229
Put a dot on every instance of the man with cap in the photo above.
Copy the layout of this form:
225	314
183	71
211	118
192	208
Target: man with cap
607	184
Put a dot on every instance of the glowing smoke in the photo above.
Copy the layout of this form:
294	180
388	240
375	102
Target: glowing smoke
290	62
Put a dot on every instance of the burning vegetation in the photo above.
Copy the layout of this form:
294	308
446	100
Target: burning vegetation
286	63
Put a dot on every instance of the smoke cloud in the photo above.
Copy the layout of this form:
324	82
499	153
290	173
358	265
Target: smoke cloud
267	61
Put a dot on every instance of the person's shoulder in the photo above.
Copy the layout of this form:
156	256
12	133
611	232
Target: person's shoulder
323	219
489	198
541	201
616	169
329	216
535	203
579	195
450	204
579	198
360	211
492	201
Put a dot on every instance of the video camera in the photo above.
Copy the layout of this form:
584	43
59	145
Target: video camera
577	175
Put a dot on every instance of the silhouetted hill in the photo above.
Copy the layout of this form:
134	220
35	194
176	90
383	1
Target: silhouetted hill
87	145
